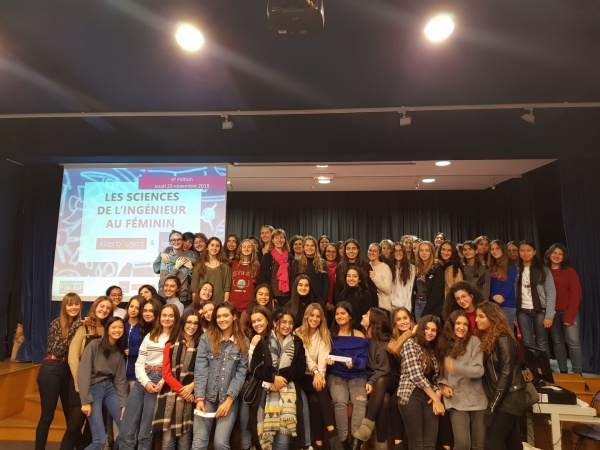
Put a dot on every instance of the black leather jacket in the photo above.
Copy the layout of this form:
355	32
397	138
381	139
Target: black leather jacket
503	380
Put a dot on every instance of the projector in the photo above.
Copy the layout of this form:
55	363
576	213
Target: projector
296	16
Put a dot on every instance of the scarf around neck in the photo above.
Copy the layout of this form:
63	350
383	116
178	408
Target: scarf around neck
283	276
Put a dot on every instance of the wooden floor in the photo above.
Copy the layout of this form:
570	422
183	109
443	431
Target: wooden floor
20	410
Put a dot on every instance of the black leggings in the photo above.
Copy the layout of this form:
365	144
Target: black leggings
504	433
379	404
319	405
396	418
73	438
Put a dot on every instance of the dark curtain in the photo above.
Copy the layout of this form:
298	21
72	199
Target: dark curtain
582	222
11	178
505	213
41	202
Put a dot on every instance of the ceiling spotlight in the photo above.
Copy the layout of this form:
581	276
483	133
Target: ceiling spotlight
405	120
528	117
428	180
189	37
322	166
442	163
227	124
324	178
439	28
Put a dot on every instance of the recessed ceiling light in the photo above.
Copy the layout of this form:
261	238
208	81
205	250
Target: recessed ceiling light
442	163
189	37
324	181
439	28
322	166
428	180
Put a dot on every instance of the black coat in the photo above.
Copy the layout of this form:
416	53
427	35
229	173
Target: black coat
503	380
266	371
434	279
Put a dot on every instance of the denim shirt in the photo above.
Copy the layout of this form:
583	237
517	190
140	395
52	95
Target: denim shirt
217	376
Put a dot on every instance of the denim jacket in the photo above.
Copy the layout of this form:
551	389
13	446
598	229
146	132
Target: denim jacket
217	376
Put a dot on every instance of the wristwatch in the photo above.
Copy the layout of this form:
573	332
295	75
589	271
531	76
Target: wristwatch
316	371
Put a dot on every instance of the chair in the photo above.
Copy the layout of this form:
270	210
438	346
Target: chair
587	431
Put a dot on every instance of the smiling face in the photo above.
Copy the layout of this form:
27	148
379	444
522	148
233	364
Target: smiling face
278	241
262	296
351	251
199	244
167	319
187	244
430	331
206	293
259	323
446	252
464	300
133	309
104	309
207	311
297	247
342	317
373	253
115	331
148	313
231	243
557	256
246	248
461	327
330	253
469	252
73	308
214	247
386	251
526	253
424	252
314	320
265	235
408	245
483	246
176	241
324	242
225	319
310	248
115	295
352	278
303	287
170	288
496	251
402	321
439	238
144	292
398	253
191	325
284	326
482	321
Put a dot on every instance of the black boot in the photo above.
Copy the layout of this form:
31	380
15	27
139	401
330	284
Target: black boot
355	444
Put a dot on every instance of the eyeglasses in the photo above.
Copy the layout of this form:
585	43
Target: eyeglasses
193	324
172	241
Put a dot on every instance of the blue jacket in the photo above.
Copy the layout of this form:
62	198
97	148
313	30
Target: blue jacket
505	288
134	340
217	376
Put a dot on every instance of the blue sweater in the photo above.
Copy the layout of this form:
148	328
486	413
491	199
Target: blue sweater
134	340
505	288
354	347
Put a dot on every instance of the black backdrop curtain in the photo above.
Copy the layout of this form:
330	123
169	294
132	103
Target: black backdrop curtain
581	214
40	221
510	212
11	178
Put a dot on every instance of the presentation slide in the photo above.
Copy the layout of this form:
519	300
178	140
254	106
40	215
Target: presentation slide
114	222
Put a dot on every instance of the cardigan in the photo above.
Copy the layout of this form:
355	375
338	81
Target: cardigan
568	292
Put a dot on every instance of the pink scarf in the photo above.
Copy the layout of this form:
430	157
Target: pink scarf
282	273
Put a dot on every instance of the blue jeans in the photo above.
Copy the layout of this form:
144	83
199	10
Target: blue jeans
103	393
509	313
419	307
137	421
569	334
532	328
183	442
282	441
244	419
203	425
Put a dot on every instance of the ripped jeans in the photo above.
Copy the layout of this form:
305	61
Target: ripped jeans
344	390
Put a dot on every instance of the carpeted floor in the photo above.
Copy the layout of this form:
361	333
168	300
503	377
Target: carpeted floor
26	445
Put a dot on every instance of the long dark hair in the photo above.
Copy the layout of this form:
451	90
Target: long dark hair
431	349
178	334
380	327
454	262
257	309
566	262
121	343
402	266
147	327
295	298
362	285
453	346
536	265
335	328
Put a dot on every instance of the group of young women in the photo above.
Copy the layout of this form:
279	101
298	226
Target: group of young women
315	335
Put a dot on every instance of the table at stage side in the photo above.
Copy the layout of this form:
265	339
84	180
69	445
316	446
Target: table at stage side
581	413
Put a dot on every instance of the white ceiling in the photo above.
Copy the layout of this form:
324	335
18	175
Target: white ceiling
378	176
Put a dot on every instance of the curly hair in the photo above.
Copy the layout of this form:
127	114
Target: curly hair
450	304
453	346
498	326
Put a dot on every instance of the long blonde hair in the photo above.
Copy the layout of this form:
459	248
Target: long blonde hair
215	334
65	320
303	331
318	262
253	263
423	267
